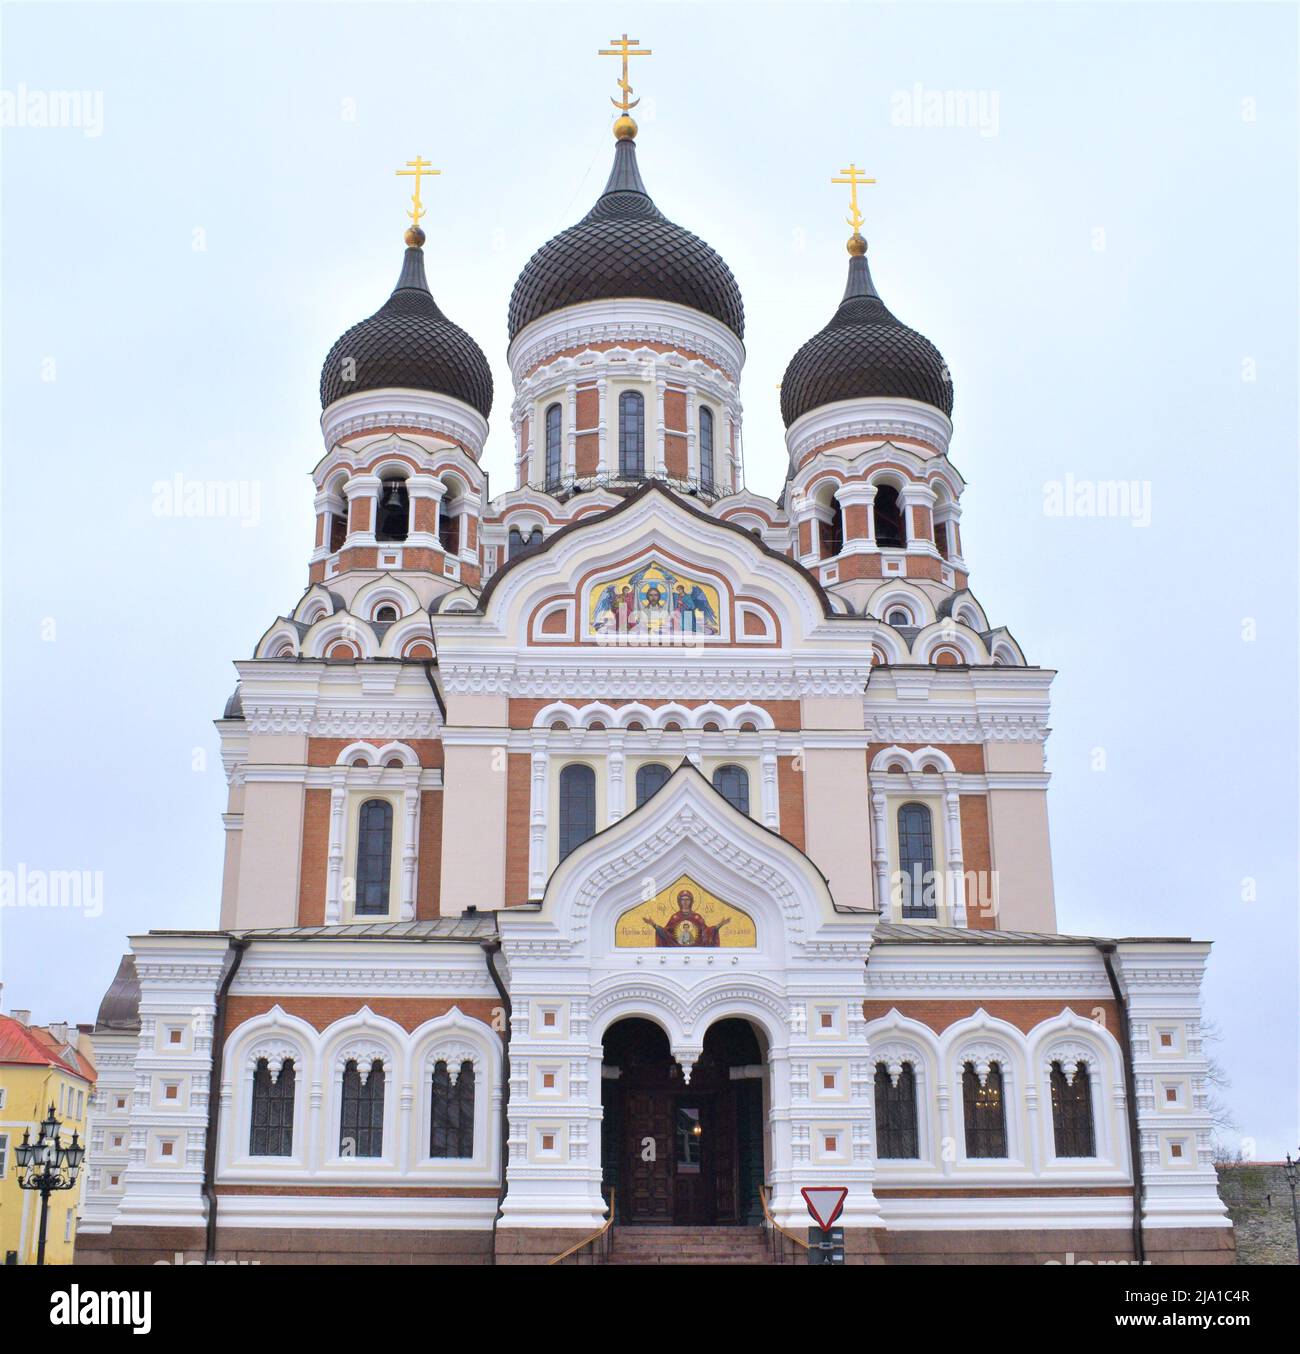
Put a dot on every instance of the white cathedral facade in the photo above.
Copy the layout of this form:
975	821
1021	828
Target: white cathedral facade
628	836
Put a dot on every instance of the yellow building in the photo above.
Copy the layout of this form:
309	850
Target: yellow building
39	1067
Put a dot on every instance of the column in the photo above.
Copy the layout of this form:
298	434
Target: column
363	500
771	796
880	854
805	517
537	816
917	501
571	428
858	502
334	868
602	427
426	495
661	426
411	841
955	884
617	793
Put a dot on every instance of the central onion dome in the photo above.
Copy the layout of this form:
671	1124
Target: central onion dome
626	247
864	353
408	343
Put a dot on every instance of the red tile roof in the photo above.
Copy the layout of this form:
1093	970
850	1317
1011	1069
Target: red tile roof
33	1046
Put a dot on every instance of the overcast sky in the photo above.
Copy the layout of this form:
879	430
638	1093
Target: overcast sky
1104	250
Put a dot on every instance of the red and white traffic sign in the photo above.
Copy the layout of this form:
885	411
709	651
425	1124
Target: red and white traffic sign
825	1203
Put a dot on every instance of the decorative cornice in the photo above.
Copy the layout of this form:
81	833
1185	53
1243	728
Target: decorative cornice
848	420
381	410
622	680
625	322
909	726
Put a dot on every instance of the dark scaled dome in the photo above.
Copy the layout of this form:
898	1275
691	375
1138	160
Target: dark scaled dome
626	247
864	352
409	342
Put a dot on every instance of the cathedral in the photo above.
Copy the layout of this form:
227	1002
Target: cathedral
611	858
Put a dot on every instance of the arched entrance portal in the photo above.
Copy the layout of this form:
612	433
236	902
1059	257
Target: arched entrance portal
678	1151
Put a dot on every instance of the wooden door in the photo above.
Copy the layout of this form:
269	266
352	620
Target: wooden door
694	1153
648	1125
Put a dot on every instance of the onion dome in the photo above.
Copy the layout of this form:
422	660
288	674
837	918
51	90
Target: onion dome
408	343
864	353
625	247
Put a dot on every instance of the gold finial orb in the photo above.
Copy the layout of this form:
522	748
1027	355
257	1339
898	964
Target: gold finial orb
414	237
857	245
624	128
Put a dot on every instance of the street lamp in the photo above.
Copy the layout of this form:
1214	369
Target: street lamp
1292	1170
49	1164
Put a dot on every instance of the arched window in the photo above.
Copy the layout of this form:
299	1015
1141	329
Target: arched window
706	448
518	541
631	434
386	614
891	531
650	779
449	519
1072	1112
732	783
451	1133
553	428
916	861
361	1125
577	806
832	531
271	1131
895	1113
394	511
985	1112
374	857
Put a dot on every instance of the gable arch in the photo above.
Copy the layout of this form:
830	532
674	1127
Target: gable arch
688	828
652	522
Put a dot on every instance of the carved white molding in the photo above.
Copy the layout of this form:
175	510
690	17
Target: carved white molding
630	680
848	420
625	322
378	410
277	1051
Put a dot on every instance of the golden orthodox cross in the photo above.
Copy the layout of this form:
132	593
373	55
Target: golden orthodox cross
414	168
623	47
854	177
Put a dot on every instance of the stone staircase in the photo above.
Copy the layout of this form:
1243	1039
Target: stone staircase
689	1246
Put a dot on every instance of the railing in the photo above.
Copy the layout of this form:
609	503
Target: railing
595	1248
565	486
785	1246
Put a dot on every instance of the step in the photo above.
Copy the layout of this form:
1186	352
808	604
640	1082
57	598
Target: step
684	1259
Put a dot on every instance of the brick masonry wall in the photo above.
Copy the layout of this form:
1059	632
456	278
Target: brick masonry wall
428	882
518	813
314	865
790	800
977	857
1024	1015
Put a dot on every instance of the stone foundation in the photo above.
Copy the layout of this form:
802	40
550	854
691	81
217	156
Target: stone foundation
287	1246
538	1246
1092	1246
